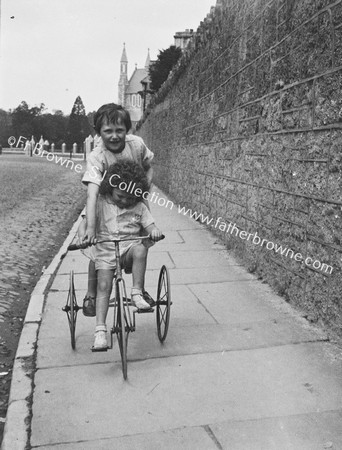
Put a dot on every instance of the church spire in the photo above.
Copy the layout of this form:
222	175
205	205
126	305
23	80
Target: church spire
148	59
123	82
124	56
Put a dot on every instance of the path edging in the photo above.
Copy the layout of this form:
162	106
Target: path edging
18	418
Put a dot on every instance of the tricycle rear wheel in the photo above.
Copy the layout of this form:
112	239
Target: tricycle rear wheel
163	303
71	308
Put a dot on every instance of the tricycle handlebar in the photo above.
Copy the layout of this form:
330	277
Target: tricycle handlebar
121	239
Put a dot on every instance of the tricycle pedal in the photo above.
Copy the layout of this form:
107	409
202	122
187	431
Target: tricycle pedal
104	349
143	311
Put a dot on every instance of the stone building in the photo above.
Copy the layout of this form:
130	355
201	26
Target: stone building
182	38
133	92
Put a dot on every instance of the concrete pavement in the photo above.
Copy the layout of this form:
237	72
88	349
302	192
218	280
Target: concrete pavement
239	370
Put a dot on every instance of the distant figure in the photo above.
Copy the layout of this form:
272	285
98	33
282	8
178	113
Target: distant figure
27	148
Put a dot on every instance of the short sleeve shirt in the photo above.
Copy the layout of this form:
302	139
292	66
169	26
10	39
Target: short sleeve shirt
100	158
112	221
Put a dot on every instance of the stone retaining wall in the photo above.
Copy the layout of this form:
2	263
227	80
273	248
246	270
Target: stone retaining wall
248	128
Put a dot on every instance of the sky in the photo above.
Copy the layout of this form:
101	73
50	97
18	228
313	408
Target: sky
51	51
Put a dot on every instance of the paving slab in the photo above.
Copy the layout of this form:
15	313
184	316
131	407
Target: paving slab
313	431
237	302
72	260
198	438
185	312
201	258
178	276
159	397
200	339
168	220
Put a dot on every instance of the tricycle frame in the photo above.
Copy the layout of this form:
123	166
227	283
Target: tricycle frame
123	321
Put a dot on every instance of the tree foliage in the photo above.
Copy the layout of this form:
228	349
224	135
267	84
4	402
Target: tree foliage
52	127
78	126
160	69
90	116
5	127
24	119
28	121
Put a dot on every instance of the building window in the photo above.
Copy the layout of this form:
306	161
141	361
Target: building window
138	101
134	100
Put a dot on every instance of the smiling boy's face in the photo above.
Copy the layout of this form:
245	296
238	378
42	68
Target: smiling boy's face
113	136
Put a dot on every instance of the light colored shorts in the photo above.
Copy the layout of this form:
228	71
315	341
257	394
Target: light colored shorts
104	259
101	264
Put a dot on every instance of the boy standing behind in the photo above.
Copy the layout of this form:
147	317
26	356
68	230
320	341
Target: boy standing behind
112	123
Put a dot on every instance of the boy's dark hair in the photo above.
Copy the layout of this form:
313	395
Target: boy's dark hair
124	171
111	113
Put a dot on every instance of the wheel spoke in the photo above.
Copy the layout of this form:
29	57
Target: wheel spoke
164	315
126	309
163	297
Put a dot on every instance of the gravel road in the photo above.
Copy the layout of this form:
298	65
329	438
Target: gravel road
39	201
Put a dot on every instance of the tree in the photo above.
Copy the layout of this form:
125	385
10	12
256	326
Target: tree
78	126
160	69
23	119
26	122
90	116
52	127
5	127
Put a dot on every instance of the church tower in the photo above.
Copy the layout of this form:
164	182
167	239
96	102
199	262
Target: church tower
123	82
134	93
148	60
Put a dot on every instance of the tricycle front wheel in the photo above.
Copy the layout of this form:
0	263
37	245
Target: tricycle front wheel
122	323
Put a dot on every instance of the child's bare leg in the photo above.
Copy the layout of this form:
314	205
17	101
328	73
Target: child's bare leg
137	258
89	299
139	262
92	280
104	289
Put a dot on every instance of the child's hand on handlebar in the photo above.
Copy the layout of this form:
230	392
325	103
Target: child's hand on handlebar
156	234
89	238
